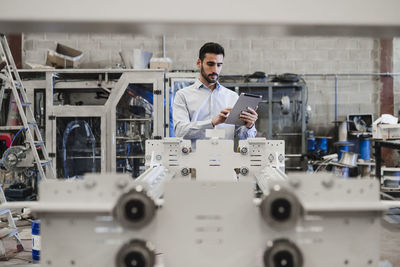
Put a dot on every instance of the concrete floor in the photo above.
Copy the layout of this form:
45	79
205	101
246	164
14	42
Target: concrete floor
390	246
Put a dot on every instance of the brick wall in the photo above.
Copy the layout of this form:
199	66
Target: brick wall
246	55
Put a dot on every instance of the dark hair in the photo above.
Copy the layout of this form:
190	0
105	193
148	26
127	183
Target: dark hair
213	48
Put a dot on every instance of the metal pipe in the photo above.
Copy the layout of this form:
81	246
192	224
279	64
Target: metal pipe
155	178
164	46
294	168
350	74
303	117
293	155
328	74
336	95
270	113
286	134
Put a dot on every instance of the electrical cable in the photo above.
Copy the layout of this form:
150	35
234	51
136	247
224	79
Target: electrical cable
324	163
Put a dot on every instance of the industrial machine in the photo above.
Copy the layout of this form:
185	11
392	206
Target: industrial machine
239	209
96	121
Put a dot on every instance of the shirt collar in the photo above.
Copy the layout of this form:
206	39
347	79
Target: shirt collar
199	84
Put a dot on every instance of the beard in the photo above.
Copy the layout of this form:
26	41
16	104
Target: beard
208	77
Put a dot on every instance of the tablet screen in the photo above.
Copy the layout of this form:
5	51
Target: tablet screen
245	100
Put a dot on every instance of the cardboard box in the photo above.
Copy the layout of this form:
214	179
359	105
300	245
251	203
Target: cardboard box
64	57
161	63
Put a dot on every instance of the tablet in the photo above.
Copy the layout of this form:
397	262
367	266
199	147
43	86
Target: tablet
245	100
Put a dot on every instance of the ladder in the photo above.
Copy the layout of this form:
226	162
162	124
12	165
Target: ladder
32	133
9	231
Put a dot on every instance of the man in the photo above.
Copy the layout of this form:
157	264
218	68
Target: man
206	104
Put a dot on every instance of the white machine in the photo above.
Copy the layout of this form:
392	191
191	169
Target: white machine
167	218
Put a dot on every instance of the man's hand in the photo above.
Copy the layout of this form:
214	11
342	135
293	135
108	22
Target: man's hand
221	117
249	116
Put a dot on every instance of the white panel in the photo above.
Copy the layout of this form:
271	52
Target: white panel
286	17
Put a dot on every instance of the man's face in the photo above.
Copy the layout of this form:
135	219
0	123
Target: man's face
210	67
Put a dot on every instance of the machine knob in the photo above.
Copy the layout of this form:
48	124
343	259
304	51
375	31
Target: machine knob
271	158
135	209
185	150
283	253
136	253
185	171
244	171
244	150
281	208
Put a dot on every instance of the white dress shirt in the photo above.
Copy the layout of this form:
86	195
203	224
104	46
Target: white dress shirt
196	105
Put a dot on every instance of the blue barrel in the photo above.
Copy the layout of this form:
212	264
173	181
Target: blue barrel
365	150
341	149
36	240
322	144
311	144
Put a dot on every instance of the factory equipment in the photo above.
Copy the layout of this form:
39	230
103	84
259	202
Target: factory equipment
281	113
69	107
135	113
166	218
353	153
255	153
17	159
97	120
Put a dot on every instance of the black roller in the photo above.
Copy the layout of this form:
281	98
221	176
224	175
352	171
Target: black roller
283	253
283	259
135	259
281	209
134	209
136	253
